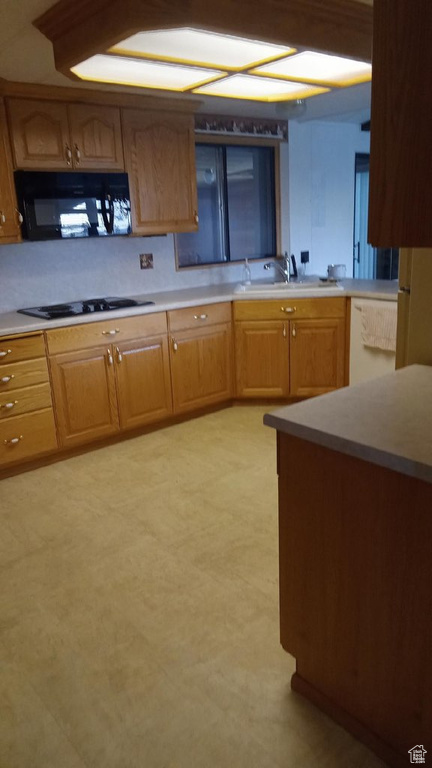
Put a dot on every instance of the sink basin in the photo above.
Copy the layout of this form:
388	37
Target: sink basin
315	286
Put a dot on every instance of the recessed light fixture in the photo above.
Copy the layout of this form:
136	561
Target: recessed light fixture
194	46
145	74
259	89
312	67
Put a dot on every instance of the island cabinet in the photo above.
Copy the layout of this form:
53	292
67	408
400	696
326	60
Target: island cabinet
50	135
355	557
27	426
160	160
289	348
9	216
109	376
201	356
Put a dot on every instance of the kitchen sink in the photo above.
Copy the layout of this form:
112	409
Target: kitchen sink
315	286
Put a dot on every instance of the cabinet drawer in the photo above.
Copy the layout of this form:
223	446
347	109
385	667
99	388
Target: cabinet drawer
196	317
26	436
76	337
23	374
24	400
289	308
21	348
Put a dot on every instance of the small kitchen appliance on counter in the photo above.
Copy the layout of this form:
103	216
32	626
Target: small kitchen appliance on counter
83	307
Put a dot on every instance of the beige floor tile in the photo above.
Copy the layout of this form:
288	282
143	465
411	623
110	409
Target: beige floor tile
139	610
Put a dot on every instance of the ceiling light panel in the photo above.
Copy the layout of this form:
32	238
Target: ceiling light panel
104	68
193	46
318	68
259	89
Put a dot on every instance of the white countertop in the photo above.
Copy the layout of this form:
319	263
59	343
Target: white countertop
386	421
14	322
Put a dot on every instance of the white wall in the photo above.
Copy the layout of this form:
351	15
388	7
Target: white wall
321	191
317	199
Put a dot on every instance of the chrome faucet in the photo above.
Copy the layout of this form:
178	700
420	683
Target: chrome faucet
284	270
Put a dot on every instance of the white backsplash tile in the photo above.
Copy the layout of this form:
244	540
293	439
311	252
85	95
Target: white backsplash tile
38	273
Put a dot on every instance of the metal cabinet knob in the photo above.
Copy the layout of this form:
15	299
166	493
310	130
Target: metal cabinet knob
200	317
8	405
13	440
4	352
5	379
288	310
111	333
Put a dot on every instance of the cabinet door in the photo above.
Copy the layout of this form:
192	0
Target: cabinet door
201	367
262	358
317	356
9	217
96	137
84	395
143	381
40	134
160	160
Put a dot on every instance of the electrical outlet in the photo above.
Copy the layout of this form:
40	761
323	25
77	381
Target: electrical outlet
146	260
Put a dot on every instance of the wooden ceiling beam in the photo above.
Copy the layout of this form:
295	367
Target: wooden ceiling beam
81	29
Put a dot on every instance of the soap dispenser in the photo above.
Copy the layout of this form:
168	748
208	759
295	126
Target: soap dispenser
246	275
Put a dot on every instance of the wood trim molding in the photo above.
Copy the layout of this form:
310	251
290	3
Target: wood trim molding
101	96
86	27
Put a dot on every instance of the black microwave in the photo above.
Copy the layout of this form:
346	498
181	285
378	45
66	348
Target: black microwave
67	205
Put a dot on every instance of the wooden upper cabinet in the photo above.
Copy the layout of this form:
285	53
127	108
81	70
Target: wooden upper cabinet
40	134
400	197
96	137
160	160
54	135
9	216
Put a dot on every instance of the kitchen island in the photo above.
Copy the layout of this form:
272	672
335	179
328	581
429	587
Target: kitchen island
355	512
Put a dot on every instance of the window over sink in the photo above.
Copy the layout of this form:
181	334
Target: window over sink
236	206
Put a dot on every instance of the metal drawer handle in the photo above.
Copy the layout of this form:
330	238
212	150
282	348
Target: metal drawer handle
68	154
111	333
110	357
4	353
5	379
13	440
288	310
200	317
2	218
77	155
174	345
8	405
119	355
20	216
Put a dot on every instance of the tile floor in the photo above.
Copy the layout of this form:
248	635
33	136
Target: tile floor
139	610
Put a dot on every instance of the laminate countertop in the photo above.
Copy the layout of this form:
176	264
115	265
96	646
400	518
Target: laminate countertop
385	421
14	322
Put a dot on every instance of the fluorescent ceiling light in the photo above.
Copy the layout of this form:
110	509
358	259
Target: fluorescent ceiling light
318	68
104	68
193	46
259	88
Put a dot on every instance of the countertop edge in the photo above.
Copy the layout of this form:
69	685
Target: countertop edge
12	323
361	451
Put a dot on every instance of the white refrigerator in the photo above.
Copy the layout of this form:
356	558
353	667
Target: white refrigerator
414	328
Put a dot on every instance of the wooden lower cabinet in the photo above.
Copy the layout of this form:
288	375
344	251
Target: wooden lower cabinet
101	390
317	359
278	357
143	381
262	355
85	395
201	367
27	425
